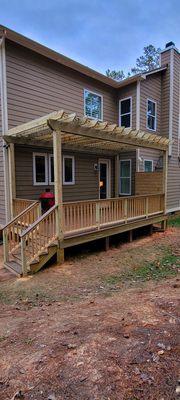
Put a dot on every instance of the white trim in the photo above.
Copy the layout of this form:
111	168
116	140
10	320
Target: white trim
130	177
171	93
45	155
138	97
149	160
155	116
106	161
4	115
49	168
96	94
73	170
120	115
137	159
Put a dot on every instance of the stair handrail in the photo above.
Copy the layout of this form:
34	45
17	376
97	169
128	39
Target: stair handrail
16	218
27	235
32	226
11	231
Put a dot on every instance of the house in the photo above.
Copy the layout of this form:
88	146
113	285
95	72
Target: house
119	167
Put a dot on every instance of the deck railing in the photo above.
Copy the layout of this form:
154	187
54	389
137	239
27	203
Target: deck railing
13	230
37	237
96	214
20	205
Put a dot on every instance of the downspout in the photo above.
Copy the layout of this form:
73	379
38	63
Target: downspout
4	113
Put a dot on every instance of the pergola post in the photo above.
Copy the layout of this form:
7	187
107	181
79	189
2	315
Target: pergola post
117	175
12	177
57	151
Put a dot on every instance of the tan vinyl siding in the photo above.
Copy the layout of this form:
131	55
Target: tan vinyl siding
149	154
37	86
86	178
2	188
174	164
150	89
173	187
130	91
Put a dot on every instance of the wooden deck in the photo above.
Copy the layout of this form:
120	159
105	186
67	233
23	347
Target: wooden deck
30	238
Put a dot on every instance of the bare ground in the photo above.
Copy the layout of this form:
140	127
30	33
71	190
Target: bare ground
79	331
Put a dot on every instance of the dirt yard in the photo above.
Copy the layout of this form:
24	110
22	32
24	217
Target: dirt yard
103	326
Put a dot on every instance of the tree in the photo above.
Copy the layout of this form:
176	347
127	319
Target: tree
148	61
116	75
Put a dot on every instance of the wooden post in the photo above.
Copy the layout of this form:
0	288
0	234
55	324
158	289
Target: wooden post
130	233
98	215
57	151
23	256
107	243
147	206
125	210
12	177
165	174
116	176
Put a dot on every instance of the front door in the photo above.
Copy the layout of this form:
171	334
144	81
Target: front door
104	178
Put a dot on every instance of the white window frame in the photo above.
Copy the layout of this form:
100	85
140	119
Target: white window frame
155	116
50	180
130	177
34	169
149	160
73	170
121	115
96	94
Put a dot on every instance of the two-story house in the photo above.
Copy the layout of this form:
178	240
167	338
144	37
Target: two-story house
36	81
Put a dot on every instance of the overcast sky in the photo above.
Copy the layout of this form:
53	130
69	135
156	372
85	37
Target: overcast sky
99	33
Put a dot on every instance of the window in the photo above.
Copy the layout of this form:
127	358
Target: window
51	169
148	165
93	105
40	172
68	170
125	177
151	115
125	110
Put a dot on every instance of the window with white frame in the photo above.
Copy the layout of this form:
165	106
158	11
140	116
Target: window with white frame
93	105
68	170
125	177
40	170
51	169
148	165
151	115
125	112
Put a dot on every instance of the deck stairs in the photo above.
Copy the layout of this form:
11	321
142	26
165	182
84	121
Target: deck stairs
30	240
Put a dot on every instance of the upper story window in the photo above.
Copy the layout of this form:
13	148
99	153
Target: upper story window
68	170
151	115
40	170
125	112
93	105
148	165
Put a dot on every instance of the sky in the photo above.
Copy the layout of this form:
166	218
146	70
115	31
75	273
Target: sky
101	34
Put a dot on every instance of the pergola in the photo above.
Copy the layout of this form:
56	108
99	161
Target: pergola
67	131
37	236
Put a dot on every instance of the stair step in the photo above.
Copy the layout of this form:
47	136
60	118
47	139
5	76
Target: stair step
14	267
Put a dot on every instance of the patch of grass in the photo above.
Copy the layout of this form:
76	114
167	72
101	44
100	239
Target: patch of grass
156	270
29	341
174	221
2	338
